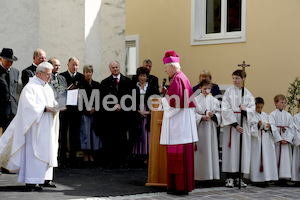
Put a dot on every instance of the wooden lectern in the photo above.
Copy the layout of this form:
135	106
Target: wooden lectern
157	169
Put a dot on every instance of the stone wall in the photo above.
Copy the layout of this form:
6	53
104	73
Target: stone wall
93	31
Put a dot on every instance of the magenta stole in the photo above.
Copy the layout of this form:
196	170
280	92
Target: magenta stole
180	83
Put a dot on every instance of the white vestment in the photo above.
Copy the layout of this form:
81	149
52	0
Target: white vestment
282	123
30	143
231	138
183	129
296	150
263	157
206	156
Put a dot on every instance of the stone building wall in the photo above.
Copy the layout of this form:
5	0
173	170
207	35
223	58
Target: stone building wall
93	31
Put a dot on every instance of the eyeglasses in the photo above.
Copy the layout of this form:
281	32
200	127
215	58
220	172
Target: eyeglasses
47	74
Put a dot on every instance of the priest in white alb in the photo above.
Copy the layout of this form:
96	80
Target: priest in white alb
30	143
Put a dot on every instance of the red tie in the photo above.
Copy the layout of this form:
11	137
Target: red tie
117	81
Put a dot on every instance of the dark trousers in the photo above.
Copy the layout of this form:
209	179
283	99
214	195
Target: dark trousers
5	121
115	136
69	129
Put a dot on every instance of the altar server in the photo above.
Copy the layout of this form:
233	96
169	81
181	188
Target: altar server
263	157
281	124
208	117
296	149
233	107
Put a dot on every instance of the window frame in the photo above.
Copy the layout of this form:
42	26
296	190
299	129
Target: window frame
198	25
136	39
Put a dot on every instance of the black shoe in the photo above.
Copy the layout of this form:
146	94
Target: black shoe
4	171
282	182
260	184
33	187
63	166
175	192
297	184
203	184
49	183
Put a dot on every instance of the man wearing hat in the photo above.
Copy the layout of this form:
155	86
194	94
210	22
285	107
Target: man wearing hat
178	129
9	77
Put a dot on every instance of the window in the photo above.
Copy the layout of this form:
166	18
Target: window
218	21
132	54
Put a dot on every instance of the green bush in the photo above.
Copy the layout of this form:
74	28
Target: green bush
293	96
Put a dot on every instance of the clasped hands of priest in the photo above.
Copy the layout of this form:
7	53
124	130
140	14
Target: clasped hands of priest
54	109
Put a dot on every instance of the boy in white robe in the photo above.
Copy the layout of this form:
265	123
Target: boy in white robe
233	107
296	149
281	124
263	157
208	118
29	145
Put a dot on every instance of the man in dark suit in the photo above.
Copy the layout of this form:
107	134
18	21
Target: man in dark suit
71	118
114	119
152	80
72	76
9	78
39	56
58	83
59	86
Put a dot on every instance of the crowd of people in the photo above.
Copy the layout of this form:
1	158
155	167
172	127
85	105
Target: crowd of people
269	143
108	136
44	130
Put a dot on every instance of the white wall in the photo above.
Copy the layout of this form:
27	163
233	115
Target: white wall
19	29
112	34
91	30
62	30
93	36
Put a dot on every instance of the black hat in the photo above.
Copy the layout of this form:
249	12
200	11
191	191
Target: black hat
8	54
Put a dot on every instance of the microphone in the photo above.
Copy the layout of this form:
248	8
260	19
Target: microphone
163	86
164	82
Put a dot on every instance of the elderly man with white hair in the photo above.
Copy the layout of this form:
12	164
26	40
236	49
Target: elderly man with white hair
29	144
178	130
